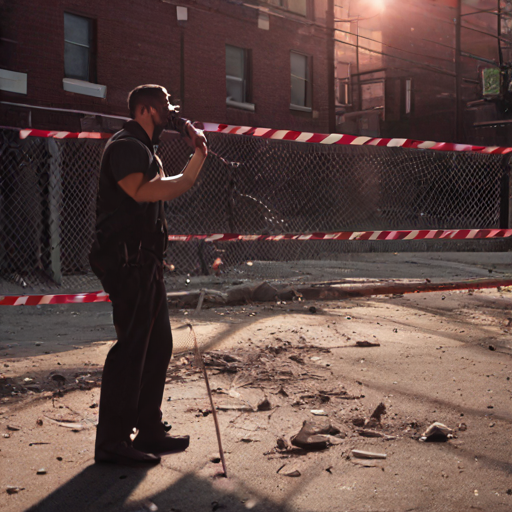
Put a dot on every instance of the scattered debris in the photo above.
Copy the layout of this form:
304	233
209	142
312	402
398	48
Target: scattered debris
367	463
361	454
59	379
14	428
437	432
313	436
283	444
371	433
14	489
312	309
318	412
367	344
359	422
149	505
39	422
289	470
379	411
492	347
283	392
265	405
242	408
41	471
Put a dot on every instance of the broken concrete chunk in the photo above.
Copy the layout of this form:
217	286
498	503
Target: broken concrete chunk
313	436
361	454
437	432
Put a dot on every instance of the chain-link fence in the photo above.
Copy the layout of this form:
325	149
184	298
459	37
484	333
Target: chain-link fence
249	185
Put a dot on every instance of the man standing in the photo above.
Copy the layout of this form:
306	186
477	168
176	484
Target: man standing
127	256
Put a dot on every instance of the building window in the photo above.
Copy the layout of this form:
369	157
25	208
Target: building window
372	95
238	77
296	6
78	48
300	81
408	96
342	83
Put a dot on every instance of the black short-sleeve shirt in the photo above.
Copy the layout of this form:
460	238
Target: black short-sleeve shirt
118	215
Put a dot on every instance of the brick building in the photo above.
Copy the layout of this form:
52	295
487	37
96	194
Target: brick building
69	64
422	69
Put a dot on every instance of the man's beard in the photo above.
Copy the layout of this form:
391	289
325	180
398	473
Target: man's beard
159	128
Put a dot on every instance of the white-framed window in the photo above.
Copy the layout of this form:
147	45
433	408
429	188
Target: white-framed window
238	77
78	61
300	73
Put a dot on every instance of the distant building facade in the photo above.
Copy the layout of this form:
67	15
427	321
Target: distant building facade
424	69
69	64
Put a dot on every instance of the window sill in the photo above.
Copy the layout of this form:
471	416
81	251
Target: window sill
11	81
86	88
243	106
300	108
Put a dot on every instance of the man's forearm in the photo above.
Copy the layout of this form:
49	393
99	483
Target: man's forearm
163	189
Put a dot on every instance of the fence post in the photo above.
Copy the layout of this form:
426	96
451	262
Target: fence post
508	190
54	204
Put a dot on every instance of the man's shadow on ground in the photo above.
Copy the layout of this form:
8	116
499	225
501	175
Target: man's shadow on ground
107	488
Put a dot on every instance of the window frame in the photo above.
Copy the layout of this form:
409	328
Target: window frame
284	5
246	80
91	50
344	82
308	107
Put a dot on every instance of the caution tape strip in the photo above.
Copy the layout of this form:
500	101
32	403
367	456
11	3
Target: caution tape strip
291	135
36	300
419	234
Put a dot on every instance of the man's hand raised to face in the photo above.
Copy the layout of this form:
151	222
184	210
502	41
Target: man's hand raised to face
196	137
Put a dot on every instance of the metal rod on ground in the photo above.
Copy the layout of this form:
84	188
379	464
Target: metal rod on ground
199	361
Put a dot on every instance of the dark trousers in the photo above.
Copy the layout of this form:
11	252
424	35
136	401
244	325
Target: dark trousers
135	369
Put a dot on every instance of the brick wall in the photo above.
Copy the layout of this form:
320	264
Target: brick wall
140	42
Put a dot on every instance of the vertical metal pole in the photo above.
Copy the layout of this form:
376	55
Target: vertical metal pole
182	69
458	74
506	195
330	67
54	204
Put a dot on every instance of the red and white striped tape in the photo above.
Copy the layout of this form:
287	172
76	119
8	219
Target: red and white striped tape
319	138
36	300
355	140
63	135
436	234
418	234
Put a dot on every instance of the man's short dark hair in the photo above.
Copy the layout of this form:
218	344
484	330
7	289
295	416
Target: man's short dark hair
147	95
